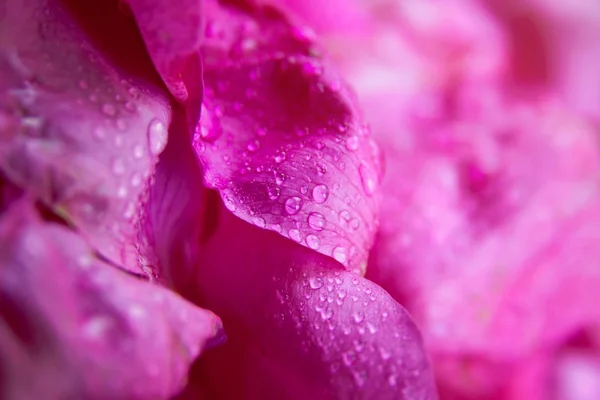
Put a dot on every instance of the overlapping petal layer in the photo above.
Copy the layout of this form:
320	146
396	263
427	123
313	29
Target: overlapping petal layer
299	326
72	326
280	136
86	115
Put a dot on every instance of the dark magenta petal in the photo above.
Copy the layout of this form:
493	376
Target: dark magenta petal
172	31
176	217
299	326
72	326
281	138
87	126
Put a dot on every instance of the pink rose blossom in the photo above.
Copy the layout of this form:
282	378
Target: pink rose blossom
162	159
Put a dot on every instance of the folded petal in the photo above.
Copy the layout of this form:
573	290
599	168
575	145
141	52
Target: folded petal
280	136
172	31
88	115
299	327
72	326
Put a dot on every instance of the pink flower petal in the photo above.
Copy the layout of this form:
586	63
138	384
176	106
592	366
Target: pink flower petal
172	31
176	218
299	327
494	250
87	125
73	326
281	138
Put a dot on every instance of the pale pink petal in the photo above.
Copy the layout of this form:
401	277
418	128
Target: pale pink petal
489	231
72	326
299	326
89	117
281	138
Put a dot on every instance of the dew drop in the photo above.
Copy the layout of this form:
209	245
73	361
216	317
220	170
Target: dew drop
138	151
313	241
274	193
292	205
295	235
261	132
303	189
355	224
254	145
316	221
352	143
109	110
279	157
157	136
358	316
339	253
279	177
368	179
260	222
315	282
320	193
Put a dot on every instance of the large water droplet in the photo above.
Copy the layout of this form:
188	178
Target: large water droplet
315	282
254	145
316	221
295	235
157	136
313	241
260	222
339	253
368	179
280	157
352	143
320	193
293	205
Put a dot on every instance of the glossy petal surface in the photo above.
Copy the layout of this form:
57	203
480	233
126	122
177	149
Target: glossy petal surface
86	118
280	136
172	31
72	326
299	327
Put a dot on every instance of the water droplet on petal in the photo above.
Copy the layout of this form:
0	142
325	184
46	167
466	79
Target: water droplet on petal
313	242
358	316
320	193
315	282
316	221
339	253
292	205
280	157
274	193
118	166
157	136
260	222
138	151
295	235
352	143
368	179
279	177
254	145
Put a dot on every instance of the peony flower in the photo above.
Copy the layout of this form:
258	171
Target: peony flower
490	202
172	173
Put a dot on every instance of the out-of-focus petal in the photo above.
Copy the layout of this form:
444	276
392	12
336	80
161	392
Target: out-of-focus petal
299	326
172	31
88	115
490	238
72	326
280	136
551	45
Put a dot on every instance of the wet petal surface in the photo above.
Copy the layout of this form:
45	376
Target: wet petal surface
299	327
87	119
281	138
72	326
